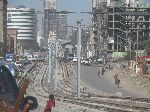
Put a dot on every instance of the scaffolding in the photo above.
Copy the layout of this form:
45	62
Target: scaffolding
123	25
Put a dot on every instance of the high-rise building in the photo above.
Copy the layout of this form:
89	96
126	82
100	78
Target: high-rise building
25	21
98	44
49	4
55	24
3	26
116	3
137	3
145	3
129	22
62	26
49	18
96	3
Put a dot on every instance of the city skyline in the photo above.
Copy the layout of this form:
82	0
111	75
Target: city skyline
67	5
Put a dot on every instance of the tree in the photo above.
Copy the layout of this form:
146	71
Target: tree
147	47
130	55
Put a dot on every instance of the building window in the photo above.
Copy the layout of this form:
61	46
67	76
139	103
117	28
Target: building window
21	22
23	14
9	15
9	19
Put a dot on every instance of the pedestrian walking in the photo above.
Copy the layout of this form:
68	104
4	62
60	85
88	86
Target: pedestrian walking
103	70
98	73
117	80
109	66
50	103
106	68
115	76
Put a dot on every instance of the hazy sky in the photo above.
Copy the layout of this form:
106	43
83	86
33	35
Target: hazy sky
69	5
76	6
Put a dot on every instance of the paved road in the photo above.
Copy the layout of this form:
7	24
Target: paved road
89	75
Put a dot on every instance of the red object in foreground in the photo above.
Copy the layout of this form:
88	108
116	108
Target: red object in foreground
5	106
142	58
50	105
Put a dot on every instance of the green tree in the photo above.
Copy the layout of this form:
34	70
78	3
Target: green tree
130	55
147	47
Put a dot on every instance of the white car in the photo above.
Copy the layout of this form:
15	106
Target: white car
82	61
75	60
100	59
87	62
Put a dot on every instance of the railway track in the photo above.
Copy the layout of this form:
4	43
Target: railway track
90	100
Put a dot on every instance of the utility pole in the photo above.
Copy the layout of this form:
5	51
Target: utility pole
78	57
57	37
137	47
49	66
117	43
127	40
56	65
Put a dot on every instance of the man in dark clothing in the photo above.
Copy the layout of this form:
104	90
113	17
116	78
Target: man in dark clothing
117	80
103	70
98	73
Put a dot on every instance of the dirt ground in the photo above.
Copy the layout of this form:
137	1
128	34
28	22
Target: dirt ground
131	80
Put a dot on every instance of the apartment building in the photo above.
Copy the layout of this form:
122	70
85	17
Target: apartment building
25	21
3	27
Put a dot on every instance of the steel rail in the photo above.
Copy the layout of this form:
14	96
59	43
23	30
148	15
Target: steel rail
100	103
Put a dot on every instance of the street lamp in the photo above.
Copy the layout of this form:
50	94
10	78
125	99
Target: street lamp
137	47
57	43
49	66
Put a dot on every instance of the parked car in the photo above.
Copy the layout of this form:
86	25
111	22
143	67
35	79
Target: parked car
75	59
100	60
94	58
82	61
86	62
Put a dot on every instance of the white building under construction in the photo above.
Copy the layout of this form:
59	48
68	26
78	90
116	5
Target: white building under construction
123	25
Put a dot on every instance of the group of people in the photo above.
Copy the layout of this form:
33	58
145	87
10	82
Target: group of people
51	101
102	72
109	67
104	69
